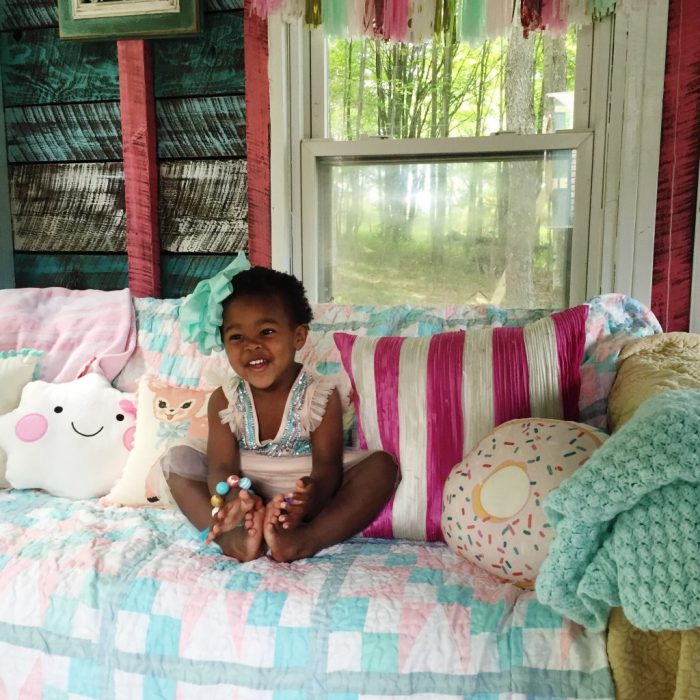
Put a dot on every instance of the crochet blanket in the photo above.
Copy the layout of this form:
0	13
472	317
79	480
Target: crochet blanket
627	524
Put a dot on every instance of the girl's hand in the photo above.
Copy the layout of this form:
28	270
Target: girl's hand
235	513
294	507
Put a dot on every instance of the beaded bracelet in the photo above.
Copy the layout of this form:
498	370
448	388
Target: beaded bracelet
223	487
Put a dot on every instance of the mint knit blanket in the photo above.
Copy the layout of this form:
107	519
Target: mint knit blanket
627	524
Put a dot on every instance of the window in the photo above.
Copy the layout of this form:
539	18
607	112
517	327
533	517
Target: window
455	174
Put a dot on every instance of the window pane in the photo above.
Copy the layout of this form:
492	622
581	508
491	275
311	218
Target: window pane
524	85
487	230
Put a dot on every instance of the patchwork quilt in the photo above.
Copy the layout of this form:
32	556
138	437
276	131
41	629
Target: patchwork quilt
124	603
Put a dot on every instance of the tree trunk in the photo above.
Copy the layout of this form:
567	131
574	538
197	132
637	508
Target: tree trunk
523	175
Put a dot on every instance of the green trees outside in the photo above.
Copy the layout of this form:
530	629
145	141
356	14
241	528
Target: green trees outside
487	220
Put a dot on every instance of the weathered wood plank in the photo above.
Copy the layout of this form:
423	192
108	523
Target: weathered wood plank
258	138
218	5
23	14
71	132
181	273
68	207
39	68
204	206
140	166
206	127
7	268
72	271
210	64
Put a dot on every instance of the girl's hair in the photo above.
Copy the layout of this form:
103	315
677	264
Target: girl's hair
264	282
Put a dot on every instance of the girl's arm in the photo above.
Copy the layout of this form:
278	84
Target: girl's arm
223	456
327	456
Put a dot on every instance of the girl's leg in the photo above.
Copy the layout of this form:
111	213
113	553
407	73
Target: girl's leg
365	490
193	498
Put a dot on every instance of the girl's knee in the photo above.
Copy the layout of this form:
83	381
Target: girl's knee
386	465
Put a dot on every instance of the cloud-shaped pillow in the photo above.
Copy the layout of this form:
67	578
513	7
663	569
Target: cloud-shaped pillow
70	439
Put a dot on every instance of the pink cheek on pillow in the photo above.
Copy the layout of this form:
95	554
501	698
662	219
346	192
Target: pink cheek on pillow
129	438
31	427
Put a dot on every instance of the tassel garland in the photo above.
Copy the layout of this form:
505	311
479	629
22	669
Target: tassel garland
421	21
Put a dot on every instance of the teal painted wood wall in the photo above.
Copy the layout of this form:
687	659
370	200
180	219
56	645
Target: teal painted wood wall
63	161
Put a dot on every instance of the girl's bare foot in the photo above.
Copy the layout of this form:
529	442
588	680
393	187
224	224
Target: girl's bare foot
292	508
234	513
287	544
238	527
244	542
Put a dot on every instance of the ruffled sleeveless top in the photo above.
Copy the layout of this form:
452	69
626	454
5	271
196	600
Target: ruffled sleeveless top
303	413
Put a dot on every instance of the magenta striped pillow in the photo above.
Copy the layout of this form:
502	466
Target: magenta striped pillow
428	401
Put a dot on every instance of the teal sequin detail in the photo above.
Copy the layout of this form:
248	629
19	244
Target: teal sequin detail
291	442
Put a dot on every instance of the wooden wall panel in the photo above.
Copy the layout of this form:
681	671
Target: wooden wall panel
64	139
38	68
21	14
214	5
71	270
200	86
69	132
204	206
210	64
181	273
7	269
68	207
206	127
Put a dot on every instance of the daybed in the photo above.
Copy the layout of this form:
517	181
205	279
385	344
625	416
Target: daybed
126	602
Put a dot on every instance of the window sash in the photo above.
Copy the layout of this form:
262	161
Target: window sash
313	151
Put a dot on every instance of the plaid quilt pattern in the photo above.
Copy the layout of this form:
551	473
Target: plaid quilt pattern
124	603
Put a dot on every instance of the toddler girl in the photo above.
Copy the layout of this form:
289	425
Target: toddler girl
279	424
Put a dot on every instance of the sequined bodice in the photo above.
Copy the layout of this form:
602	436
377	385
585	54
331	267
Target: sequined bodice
290	439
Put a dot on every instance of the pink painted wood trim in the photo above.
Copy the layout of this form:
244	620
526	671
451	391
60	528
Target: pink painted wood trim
140	166
678	169
257	99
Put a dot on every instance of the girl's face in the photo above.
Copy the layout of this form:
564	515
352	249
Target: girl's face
261	341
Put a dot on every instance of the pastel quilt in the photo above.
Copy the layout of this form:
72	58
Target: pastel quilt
123	603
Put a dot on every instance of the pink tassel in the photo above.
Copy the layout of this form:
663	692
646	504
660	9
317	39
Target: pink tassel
396	20
530	15
554	16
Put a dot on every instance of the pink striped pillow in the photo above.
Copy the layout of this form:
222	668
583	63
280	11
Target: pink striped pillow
428	401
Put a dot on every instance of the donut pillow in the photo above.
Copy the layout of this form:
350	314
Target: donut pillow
492	512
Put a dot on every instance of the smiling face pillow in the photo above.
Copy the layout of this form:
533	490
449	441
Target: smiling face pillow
70	439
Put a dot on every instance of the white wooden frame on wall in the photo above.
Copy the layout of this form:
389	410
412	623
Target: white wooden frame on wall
7	263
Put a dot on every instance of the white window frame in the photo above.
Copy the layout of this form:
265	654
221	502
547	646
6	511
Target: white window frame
621	64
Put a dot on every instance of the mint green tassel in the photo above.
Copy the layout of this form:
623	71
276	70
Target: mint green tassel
335	21
602	8
472	28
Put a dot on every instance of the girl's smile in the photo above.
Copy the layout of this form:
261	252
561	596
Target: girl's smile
261	342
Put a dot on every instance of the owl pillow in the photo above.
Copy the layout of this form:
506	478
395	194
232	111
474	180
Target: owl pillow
168	416
71	439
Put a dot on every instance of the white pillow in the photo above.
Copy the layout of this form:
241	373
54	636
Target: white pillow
70	439
17	368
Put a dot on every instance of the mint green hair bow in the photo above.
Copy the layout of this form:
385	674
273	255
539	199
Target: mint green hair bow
201	314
